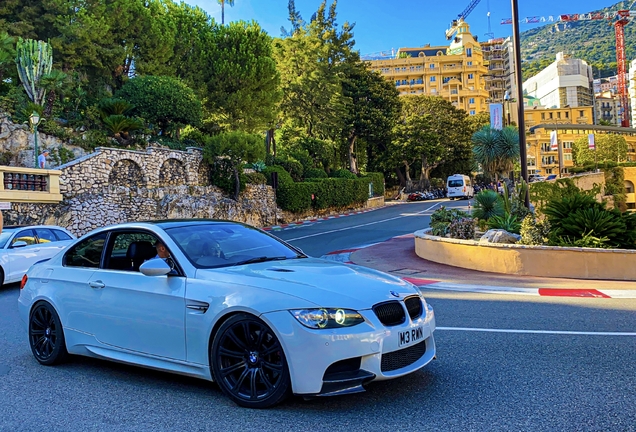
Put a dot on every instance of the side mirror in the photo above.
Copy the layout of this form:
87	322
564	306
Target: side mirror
155	267
19	244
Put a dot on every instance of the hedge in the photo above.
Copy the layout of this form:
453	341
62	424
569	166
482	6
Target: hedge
326	192
378	182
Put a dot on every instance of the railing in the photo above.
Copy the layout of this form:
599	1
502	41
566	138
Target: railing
29	185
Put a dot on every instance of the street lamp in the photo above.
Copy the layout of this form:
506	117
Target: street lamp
507	101
34	119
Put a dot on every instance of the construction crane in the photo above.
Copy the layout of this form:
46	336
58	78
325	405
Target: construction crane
461	17
621	18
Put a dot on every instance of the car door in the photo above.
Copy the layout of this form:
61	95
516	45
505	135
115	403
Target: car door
136	312
49	244
21	256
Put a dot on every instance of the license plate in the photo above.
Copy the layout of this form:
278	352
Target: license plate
410	336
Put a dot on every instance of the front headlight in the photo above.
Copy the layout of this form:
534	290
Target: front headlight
327	318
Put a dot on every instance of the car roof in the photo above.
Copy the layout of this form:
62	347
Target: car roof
12	227
168	223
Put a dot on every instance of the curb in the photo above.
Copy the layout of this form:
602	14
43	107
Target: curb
344	256
309	221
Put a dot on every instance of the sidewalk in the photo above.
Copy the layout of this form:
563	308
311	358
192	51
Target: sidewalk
397	256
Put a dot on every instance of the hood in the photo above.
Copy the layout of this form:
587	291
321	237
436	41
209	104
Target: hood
324	283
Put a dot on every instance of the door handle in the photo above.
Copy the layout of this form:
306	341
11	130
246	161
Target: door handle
97	284
35	250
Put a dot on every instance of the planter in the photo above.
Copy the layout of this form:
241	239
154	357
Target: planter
543	261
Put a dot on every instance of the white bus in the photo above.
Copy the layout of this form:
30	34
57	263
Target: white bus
459	186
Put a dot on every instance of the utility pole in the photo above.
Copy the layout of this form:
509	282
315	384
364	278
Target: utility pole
519	78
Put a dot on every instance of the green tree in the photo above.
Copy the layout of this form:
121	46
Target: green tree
243	83
165	102
223	3
609	148
372	109
7	56
228	151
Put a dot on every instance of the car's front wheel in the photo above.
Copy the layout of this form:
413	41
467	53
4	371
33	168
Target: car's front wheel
46	335
249	364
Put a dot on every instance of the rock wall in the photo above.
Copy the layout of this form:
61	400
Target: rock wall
16	145
83	212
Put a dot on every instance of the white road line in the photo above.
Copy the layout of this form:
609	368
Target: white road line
362	225
555	332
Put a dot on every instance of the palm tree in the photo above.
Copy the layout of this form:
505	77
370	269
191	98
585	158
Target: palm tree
222	3
496	150
55	83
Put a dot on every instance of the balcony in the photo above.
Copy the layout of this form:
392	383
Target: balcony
30	185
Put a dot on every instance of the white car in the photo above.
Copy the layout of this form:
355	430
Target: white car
23	246
231	304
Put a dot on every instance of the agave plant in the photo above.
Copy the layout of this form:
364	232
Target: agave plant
506	222
488	203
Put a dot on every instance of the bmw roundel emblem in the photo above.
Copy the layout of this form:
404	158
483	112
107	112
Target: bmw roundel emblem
394	294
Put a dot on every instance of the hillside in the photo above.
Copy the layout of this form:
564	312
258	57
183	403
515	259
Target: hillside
592	41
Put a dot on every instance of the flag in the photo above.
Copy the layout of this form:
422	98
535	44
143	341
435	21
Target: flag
496	116
591	143
554	143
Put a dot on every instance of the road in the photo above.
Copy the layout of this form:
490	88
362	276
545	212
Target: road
505	363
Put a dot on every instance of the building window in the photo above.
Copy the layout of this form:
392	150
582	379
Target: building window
472	112
469	52
567	156
432	79
471	76
567	114
542	116
559	114
550	115
581	113
432	66
548	171
469	63
471	101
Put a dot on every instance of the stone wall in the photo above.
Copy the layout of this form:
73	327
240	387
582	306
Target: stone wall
83	212
16	145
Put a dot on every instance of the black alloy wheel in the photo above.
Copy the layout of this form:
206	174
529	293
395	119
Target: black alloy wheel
249	364
46	336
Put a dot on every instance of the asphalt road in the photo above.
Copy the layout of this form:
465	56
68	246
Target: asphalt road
505	363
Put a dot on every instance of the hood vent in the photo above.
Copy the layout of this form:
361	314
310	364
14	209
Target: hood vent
281	270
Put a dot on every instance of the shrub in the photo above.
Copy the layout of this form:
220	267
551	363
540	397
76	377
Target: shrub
378	182
343	173
534	232
339	192
295	197
443	217
283	175
507	222
255	178
463	228
487	204
615	186
292	166
315	173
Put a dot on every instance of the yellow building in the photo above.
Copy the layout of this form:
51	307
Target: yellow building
454	73
570	124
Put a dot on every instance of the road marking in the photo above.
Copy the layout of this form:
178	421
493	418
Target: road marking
555	332
362	225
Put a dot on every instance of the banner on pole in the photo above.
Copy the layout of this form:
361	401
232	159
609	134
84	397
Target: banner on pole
496	116
591	143
554	143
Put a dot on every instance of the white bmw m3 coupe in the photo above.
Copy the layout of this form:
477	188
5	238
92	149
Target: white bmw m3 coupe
228	303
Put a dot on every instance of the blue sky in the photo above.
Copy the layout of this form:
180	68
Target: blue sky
385	24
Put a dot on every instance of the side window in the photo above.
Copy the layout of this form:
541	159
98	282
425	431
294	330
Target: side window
61	235
27	236
129	250
45	235
87	253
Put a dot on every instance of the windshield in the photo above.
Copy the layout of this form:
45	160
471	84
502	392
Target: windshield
4	237
227	244
455	183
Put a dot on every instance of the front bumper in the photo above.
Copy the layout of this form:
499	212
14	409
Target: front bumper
311	352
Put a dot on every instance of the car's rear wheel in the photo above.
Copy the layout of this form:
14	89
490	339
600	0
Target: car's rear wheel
249	364
46	335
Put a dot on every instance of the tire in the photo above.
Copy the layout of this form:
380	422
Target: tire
248	363
46	335
1	277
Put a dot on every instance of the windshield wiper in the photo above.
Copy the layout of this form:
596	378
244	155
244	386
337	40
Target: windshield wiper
260	259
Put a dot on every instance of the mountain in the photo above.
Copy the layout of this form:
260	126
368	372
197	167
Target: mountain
592	41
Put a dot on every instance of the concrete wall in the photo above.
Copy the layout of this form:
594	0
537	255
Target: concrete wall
544	261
